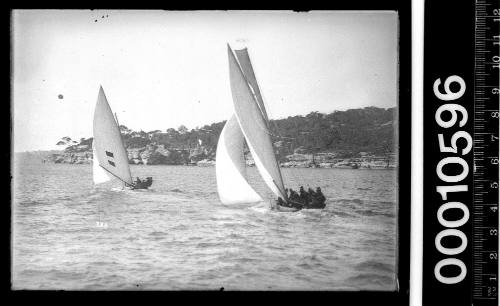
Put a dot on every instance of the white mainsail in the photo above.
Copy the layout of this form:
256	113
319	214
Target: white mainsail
109	151
232	185
254	126
246	67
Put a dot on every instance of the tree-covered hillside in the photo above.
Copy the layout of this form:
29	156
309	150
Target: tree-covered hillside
346	133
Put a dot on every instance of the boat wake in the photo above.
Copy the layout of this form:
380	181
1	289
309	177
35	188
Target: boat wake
119	189
260	207
127	190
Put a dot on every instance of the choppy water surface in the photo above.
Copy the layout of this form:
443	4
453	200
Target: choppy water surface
179	236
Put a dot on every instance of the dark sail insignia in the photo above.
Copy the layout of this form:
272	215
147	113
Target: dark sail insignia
111	163
109	154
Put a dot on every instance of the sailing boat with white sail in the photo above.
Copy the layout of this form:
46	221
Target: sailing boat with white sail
251	122
110	157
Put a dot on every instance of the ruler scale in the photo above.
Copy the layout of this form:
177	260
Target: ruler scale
486	143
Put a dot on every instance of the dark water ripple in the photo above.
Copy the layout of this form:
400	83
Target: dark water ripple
67	234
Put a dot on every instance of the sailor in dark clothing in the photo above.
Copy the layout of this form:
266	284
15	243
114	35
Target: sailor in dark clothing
138	181
296	204
309	194
294	200
318	199
310	191
149	181
303	195
320	194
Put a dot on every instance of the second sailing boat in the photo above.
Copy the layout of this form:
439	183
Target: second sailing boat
251	123
110	157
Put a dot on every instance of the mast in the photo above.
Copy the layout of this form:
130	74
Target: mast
245	64
117	123
126	153
254	126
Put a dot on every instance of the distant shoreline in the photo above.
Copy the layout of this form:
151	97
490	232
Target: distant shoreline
301	161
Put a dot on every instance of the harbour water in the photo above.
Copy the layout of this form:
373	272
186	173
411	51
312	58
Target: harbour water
68	234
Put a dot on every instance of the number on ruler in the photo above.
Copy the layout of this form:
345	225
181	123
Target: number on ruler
494	209
493	255
494	114
494	185
493	232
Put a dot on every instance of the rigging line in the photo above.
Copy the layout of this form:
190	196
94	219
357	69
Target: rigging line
268	121
295	178
278	135
126	184
123	143
283	193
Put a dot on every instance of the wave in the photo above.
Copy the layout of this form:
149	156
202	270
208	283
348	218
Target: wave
34	203
371	213
374	266
368	280
155	233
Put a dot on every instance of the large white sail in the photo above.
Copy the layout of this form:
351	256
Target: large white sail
232	185
99	174
109	149
254	127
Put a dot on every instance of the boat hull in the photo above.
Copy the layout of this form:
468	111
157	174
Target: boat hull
314	207
280	208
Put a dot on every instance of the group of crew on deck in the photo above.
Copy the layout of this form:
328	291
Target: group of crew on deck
143	184
304	199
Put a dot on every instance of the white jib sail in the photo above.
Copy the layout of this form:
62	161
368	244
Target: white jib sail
99	174
232	185
109	149
254	128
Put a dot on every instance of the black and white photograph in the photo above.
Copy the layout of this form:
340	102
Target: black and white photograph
205	150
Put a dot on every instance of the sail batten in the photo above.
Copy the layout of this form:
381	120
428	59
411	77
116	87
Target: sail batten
109	151
254	125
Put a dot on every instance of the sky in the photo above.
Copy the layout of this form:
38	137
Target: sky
163	69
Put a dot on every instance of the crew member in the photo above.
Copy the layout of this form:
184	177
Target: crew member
320	198
303	195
